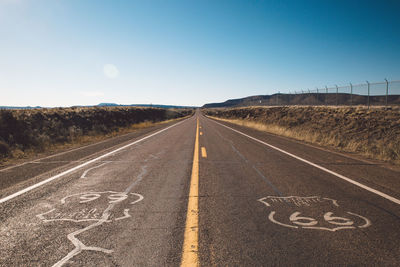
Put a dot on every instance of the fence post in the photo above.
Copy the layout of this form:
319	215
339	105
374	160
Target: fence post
277	99
293	98
326	95
309	95
387	92
337	93
368	94
351	94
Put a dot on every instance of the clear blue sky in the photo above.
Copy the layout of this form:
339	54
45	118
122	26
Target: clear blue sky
80	52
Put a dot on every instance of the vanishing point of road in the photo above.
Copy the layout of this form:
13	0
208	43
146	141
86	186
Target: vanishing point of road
199	192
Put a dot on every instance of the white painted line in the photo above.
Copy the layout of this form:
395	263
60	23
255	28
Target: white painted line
379	193
55	155
7	198
58	154
15	166
95	167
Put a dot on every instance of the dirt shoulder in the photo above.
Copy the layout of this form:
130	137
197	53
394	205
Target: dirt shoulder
372	133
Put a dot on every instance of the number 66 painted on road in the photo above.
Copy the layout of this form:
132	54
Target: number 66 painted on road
297	221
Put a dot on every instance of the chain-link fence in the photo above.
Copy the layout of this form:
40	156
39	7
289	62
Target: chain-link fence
368	94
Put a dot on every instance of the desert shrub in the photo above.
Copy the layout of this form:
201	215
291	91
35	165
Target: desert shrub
373	132
35	129
4	149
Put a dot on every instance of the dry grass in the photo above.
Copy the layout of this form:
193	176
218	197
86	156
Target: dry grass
373	133
79	141
25	133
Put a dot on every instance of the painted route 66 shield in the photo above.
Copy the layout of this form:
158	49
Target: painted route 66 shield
314	212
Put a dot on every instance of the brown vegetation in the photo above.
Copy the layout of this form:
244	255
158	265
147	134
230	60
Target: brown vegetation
38	130
374	133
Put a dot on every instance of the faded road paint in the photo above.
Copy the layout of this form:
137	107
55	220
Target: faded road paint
203	152
98	166
190	243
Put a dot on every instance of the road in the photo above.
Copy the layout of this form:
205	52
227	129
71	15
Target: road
199	192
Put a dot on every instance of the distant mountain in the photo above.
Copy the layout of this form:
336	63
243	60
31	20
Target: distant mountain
306	99
142	105
245	101
11	107
105	105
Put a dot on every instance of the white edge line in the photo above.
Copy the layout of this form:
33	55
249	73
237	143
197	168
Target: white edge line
59	154
29	188
395	200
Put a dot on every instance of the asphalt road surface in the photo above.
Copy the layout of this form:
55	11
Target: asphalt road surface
199	192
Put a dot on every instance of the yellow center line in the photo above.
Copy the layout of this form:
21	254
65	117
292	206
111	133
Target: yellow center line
203	152
191	243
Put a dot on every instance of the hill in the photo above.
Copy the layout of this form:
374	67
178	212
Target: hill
307	99
105	105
